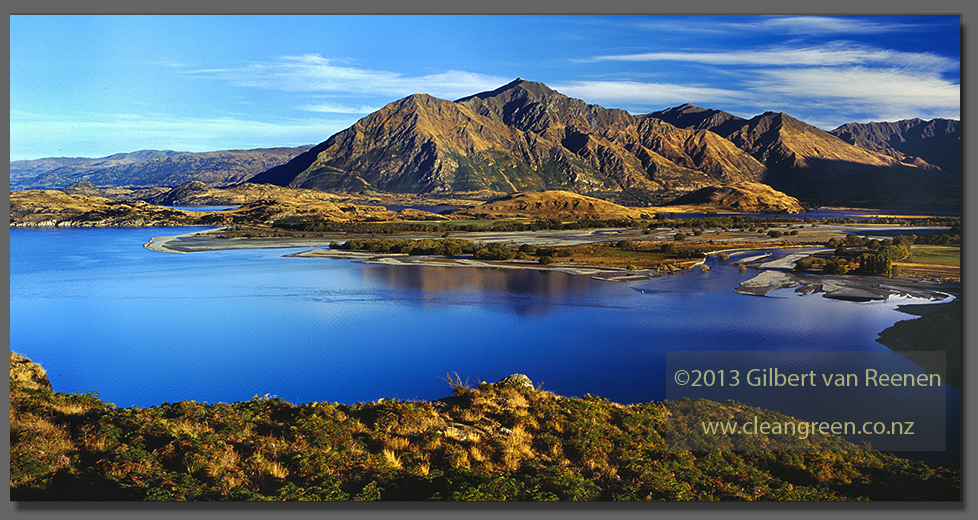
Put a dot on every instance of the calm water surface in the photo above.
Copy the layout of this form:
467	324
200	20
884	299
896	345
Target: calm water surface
103	314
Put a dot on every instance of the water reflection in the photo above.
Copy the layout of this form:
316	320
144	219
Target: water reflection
524	292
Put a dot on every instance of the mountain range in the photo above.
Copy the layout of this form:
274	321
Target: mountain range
149	168
937	141
526	137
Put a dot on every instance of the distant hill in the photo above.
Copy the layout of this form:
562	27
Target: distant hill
936	142
196	193
550	204
748	197
525	136
149	168
24	173
53	208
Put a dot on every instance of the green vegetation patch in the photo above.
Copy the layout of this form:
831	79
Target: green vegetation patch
938	255
492	442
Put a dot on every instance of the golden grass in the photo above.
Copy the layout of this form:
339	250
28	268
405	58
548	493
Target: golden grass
260	468
70	408
476	453
461	461
520	440
517	447
226	462
185	427
471	415
277	470
391	458
397	443
451	432
47	438
95	442
26	372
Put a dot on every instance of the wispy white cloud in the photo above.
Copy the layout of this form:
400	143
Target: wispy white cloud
839	78
891	93
172	64
314	73
793	26
633	93
818	25
338	108
837	53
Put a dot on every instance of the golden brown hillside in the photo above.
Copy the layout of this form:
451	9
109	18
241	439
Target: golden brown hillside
747	197
551	204
51	208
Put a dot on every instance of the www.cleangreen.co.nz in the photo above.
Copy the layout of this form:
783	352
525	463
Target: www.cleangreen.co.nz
803	429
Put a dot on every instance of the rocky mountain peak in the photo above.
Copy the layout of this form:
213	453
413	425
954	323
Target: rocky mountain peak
516	89
689	115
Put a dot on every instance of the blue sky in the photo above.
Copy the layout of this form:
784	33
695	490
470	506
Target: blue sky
91	86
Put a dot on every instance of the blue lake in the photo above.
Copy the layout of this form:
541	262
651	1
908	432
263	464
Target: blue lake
101	313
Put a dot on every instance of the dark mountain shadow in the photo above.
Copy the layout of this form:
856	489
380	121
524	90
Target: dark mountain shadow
283	174
825	181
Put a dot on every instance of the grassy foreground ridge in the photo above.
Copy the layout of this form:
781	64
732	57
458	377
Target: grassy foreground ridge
503	441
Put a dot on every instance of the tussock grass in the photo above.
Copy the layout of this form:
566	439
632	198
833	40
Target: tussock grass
26	373
490	443
391	459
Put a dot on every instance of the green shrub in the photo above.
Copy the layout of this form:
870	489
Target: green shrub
495	252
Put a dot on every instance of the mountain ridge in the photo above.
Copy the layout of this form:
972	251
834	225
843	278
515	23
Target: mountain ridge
936	142
523	136
526	136
149	168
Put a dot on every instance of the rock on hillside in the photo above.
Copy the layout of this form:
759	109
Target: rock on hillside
747	197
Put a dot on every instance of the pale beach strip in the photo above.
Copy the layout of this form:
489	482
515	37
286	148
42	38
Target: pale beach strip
158	244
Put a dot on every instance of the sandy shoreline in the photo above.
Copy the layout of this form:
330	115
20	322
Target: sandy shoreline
159	244
780	274
597	272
